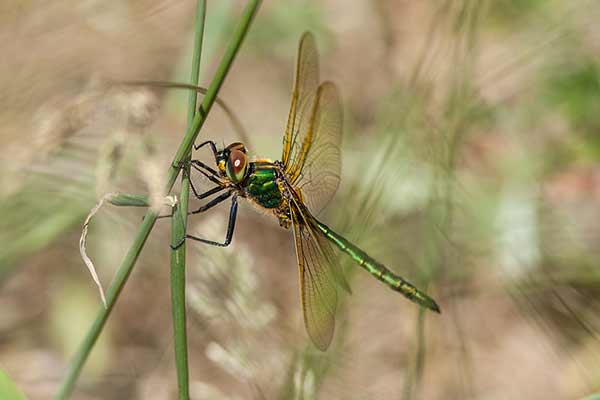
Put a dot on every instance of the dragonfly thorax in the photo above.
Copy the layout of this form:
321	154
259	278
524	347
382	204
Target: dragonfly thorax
265	188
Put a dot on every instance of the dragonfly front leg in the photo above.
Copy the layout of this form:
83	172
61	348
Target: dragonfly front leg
204	169
230	225
194	190
207	171
212	145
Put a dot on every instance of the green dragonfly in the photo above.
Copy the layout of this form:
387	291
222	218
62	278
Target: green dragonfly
296	189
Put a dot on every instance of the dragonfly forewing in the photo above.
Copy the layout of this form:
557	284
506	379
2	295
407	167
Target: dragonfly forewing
306	81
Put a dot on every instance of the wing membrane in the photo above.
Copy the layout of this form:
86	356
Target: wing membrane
317	285
311	159
311	145
306	80
316	169
319	274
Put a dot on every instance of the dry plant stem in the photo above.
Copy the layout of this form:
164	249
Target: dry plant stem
111	296
150	218
179	223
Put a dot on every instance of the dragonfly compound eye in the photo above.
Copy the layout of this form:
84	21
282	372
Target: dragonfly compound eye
236	166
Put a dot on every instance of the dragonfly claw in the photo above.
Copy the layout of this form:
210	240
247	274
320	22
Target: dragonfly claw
178	245
180	164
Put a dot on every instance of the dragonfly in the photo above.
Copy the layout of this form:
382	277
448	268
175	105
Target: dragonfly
294	190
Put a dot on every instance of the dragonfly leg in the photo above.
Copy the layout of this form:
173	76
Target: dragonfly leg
210	192
195	191
186	173
217	200
201	196
212	145
199	166
204	169
230	225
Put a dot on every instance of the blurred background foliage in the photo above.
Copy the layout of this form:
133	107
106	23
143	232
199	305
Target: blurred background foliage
470	166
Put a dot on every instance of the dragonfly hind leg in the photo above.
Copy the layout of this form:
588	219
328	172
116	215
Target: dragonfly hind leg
203	195
230	224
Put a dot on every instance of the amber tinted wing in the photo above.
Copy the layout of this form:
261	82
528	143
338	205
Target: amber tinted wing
317	284
315	167
306	80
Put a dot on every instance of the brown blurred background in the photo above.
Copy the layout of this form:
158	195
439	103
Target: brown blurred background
470	166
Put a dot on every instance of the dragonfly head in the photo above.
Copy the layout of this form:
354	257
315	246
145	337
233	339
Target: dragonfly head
233	162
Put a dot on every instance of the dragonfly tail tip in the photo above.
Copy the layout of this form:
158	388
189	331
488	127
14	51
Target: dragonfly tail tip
432	305
436	308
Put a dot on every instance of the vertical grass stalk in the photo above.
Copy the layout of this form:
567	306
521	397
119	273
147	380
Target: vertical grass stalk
179	224
132	255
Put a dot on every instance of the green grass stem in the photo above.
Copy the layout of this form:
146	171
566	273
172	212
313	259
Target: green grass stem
213	89
132	255
179	223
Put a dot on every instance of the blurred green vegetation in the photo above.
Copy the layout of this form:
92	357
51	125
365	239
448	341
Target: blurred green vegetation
574	91
509	12
8	389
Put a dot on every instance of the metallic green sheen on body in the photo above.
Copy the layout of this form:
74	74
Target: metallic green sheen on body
378	270
263	188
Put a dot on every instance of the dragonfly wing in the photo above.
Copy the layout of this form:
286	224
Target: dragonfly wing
316	170
311	144
317	284
306	80
330	256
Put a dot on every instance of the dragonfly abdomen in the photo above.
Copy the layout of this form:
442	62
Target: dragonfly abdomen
378	270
